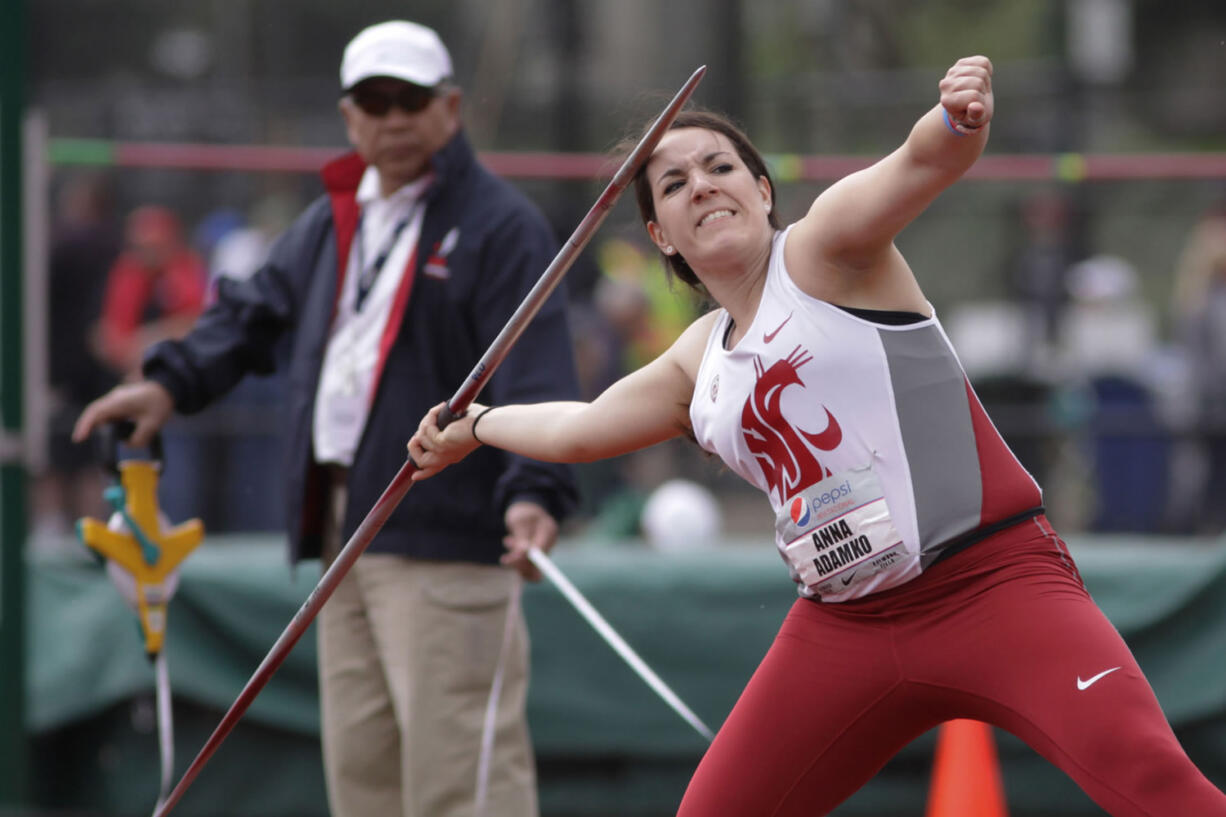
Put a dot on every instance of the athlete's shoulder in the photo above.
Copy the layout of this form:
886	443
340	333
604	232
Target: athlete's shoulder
688	349
700	329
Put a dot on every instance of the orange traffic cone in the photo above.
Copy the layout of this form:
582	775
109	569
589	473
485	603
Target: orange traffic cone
966	775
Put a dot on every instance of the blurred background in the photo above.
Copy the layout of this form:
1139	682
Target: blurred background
1080	270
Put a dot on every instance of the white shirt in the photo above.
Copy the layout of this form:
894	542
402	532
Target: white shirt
347	379
836	418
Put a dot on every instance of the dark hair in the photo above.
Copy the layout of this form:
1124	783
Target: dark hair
712	121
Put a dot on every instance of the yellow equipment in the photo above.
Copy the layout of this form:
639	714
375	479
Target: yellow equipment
142	557
135	541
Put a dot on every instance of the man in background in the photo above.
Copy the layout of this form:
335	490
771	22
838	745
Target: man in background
154	290
386	291
85	242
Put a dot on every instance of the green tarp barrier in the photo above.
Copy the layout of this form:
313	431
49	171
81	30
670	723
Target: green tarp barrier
606	744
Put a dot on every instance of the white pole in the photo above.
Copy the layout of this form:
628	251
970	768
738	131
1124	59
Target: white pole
615	641
36	213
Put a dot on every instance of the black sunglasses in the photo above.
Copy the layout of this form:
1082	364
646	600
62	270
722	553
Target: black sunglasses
378	100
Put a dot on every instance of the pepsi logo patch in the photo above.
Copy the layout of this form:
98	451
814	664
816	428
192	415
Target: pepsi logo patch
799	511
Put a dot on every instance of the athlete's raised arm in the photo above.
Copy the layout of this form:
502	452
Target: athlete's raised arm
852	225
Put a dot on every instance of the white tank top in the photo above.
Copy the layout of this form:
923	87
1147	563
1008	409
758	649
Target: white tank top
874	451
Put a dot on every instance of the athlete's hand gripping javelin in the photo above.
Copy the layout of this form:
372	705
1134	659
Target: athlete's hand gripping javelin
433	449
528	524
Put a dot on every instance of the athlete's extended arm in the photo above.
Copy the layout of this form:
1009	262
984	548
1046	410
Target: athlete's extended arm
645	407
853	223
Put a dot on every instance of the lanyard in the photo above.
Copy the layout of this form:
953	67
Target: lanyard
367	275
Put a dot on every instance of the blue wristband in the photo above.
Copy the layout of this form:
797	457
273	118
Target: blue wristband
957	127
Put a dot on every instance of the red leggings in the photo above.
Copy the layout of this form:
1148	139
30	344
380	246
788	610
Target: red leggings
1002	632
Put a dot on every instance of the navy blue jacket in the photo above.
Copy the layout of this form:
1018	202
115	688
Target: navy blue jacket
458	297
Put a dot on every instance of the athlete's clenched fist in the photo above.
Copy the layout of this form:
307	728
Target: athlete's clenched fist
966	94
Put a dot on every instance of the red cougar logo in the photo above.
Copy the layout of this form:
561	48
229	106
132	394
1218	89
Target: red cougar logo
780	448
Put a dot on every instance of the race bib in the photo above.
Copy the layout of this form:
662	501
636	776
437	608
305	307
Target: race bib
838	539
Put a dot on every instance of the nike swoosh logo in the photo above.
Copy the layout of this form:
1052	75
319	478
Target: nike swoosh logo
847	580
1084	685
769	336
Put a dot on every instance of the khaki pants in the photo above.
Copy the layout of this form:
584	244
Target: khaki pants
407	653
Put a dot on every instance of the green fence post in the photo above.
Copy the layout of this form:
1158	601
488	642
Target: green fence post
13	739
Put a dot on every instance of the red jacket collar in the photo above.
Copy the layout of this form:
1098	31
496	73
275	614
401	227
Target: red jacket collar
341	177
344	174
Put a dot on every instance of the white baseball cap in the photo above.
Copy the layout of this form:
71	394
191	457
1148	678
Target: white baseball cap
397	49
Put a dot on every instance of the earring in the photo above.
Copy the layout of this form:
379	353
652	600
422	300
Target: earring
669	250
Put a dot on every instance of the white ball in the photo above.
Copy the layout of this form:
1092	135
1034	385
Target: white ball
681	515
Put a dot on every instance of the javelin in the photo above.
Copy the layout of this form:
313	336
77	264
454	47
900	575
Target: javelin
455	407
